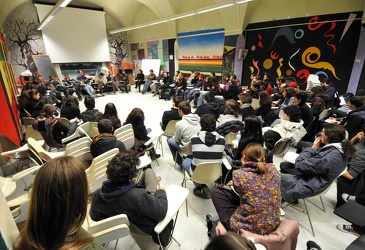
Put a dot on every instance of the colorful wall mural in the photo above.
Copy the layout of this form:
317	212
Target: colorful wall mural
229	55
321	45
201	50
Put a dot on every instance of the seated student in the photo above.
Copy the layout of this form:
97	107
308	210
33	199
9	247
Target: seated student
100	81
231	92
47	123
91	114
136	119
242	209
265	111
111	113
277	94
207	146
232	112
58	207
148	83
290	126
300	99
178	87
145	203
172	114
58	86
353	180
355	118
288	95
71	108
255	90
210	106
185	129
246	107
122	79
318	167
105	140
318	102
198	85
83	83
139	79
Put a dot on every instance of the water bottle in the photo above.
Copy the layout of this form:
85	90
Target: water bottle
238	137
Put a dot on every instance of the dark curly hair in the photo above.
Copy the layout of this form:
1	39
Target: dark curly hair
293	112
207	122
122	168
337	133
135	117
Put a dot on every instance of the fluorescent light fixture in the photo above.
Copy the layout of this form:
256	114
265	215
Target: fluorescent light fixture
65	3
128	28
214	7
158	22
54	11
241	1
183	15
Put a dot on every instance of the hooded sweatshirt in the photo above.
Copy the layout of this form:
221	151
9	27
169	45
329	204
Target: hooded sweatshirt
103	143
207	146
185	129
287	129
209	108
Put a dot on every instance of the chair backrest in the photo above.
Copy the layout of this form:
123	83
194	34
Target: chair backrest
51	143
37	149
30	132
28	121
329	187
81	130
127	137
207	172
170	128
64	121
8	229
79	143
123	128
231	136
109	229
93	130
6	144
281	146
323	114
255	104
96	173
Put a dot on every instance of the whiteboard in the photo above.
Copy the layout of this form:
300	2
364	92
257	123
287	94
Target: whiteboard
148	64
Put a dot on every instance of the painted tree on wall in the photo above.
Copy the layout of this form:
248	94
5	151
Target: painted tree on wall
24	35
118	46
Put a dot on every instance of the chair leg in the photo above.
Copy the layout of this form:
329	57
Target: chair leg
116	244
309	217
323	207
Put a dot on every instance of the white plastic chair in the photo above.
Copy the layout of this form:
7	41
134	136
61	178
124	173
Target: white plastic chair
176	196
41	152
305	209
8	228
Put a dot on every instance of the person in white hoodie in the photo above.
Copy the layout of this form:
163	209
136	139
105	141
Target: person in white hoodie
290	126
184	130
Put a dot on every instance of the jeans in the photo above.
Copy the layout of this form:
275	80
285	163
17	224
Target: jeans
89	90
174	148
146	86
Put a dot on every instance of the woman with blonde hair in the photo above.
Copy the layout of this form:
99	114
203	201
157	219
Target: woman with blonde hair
253	201
58	207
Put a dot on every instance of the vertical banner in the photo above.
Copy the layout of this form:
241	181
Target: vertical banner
10	124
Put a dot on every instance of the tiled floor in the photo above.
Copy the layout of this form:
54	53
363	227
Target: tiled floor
191	231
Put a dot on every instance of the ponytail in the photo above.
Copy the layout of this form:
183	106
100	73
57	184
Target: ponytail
348	149
256	153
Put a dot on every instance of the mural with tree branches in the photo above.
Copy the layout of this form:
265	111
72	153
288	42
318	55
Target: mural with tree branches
23	38
118	46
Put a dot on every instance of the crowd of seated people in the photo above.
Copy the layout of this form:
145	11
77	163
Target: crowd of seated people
198	129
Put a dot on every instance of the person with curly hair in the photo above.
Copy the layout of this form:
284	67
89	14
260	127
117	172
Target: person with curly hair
318	166
290	126
232	112
144	202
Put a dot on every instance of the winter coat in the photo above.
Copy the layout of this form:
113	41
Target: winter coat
354	121
288	129
319	169
209	108
231	126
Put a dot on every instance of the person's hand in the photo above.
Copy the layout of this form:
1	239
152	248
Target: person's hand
230	183
224	153
316	143
360	135
160	187
235	146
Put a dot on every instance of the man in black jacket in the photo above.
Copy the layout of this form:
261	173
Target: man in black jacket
172	114
105	141
145	202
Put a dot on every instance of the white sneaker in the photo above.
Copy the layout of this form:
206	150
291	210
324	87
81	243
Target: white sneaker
347	197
